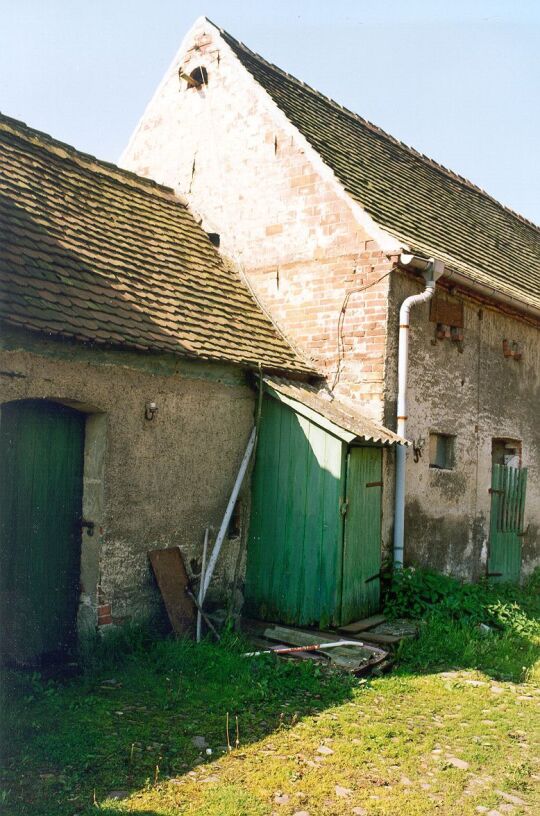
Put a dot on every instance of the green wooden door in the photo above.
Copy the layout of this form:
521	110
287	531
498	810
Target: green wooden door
295	538
41	460
362	550
508	487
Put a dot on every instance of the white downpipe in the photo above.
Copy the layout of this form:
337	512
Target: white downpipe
228	513
403	364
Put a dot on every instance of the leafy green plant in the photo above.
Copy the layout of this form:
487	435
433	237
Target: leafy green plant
490	627
416	593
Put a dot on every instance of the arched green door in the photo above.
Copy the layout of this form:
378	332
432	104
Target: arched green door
41	467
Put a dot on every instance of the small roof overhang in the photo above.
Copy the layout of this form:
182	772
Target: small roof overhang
330	413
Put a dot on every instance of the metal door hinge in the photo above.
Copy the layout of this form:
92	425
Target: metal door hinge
373	577
89	525
374	484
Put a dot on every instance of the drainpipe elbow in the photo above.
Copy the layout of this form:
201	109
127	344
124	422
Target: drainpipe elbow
431	270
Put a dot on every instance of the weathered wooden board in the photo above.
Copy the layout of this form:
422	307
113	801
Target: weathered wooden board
375	637
172	580
362	625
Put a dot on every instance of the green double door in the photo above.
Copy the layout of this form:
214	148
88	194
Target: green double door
508	489
314	545
41	467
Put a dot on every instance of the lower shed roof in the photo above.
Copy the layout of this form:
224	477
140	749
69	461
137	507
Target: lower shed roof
337	417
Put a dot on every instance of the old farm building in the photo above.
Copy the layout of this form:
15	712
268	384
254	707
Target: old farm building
128	350
335	224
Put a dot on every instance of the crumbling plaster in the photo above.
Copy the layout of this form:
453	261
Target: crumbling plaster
470	390
147	484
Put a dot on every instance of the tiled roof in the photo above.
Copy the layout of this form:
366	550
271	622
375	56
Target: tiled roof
422	204
93	252
336	412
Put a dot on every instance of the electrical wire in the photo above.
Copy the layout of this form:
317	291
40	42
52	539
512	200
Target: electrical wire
341	321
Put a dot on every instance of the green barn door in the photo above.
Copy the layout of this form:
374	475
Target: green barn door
295	537
362	551
41	461
508	486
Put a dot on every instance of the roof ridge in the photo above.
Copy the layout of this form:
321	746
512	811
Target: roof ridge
19	128
382	133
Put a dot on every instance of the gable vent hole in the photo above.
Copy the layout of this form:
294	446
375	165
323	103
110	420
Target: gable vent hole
197	78
214	238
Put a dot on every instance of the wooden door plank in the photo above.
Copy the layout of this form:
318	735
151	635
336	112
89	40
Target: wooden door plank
506	521
362	540
294	584
262	527
279	577
332	532
312	575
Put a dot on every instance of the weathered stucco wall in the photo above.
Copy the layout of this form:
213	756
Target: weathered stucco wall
148	484
305	247
471	390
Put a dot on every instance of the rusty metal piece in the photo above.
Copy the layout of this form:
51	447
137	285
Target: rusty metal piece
173	582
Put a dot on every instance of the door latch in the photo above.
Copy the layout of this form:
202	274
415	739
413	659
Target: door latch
344	507
89	525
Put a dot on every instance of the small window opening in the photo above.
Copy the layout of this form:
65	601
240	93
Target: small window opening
441	451
506	452
235	524
197	78
214	238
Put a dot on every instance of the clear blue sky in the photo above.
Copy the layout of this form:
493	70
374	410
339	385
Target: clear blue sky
458	80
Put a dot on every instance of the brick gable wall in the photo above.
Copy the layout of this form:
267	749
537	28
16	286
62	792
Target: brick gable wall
281	218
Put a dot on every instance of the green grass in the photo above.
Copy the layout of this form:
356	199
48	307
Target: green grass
454	727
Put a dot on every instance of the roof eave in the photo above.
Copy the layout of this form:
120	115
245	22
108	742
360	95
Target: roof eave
452	276
516	304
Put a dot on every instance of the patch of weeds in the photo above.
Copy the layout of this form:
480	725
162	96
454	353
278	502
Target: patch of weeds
444	643
490	627
415	593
